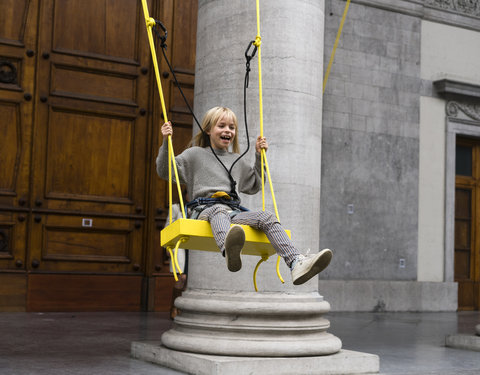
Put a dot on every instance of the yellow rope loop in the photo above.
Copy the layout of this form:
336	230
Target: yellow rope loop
173	263
175	258
258	41
264	259
278	270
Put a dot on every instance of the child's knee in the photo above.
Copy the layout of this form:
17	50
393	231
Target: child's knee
267	219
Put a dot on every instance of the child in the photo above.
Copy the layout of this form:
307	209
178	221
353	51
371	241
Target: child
206	177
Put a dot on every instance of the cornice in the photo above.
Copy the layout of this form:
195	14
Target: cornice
451	87
459	13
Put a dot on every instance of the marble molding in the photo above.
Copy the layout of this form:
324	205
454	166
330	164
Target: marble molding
470	7
472	110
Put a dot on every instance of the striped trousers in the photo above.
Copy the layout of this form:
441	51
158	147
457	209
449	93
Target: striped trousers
220	219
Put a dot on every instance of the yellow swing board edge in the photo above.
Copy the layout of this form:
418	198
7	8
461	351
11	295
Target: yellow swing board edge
197	235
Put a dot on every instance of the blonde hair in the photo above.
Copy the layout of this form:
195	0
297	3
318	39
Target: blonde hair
211	118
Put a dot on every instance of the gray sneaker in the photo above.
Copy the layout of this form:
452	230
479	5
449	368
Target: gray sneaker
307	267
233	247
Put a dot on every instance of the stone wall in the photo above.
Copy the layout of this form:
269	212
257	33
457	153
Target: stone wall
386	206
369	197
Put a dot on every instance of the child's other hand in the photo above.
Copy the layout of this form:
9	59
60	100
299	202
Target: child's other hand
167	130
261	144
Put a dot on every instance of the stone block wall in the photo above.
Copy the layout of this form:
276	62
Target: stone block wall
370	148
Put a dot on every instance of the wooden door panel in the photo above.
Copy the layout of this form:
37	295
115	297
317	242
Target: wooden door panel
87	244
13	19
60	292
463	247
89	157
104	28
466	295
90	142
13	290
118	87
10	129
12	241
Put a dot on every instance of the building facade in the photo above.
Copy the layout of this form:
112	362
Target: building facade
383	167
402	94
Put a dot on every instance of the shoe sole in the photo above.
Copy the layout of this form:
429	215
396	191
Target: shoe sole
233	247
324	258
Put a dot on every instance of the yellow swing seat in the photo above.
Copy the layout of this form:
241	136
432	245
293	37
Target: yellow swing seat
197	235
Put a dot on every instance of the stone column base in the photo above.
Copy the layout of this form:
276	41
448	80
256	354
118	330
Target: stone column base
250	324
468	342
344	362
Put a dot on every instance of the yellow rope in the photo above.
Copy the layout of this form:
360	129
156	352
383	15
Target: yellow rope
327	73
173	263
175	257
258	44
278	270
264	258
149	23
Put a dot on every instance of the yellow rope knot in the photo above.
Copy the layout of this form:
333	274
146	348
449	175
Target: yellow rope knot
258	41
150	22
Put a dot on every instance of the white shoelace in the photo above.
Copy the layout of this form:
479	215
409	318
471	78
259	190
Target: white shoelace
299	258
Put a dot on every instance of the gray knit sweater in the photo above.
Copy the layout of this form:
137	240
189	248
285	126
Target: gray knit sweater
204	175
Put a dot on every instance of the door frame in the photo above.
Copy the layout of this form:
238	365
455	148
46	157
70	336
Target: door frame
458	124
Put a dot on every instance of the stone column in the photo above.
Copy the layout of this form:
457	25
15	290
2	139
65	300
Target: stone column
225	327
221	313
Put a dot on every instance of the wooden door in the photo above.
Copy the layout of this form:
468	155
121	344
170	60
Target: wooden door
18	24
81	207
467	224
90	155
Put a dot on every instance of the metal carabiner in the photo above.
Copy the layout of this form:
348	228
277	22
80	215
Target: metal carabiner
247	56
163	38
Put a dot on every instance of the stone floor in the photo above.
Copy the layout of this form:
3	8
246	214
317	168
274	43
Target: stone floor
99	343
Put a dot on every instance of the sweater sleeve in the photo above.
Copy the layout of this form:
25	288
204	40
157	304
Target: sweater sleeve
251	181
162	164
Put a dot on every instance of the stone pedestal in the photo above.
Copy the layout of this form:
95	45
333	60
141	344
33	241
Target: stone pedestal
252	324
468	342
342	363
219	332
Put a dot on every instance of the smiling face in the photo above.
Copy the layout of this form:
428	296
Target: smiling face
223	133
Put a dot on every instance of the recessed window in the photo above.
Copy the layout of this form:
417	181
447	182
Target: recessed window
463	160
